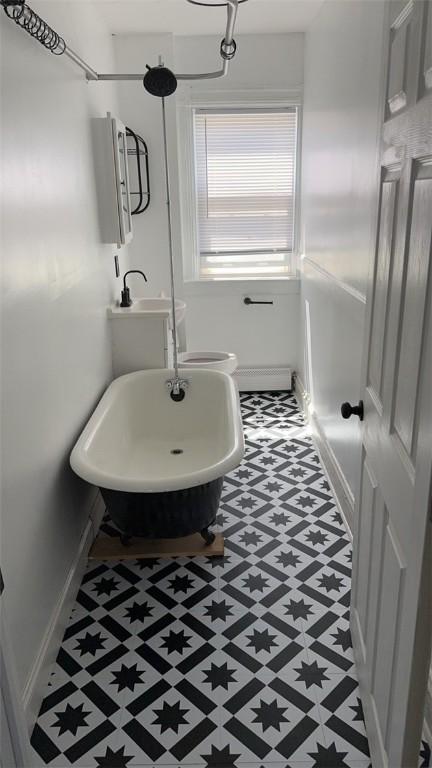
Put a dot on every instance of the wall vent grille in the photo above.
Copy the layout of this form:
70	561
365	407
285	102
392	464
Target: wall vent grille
262	379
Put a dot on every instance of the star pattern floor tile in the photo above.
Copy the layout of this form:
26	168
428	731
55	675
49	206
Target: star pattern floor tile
240	661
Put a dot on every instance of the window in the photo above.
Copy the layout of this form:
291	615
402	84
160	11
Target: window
245	170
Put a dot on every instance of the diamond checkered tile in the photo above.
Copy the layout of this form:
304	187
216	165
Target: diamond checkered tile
243	660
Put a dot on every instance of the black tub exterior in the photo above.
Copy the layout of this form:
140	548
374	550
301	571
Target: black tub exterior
166	515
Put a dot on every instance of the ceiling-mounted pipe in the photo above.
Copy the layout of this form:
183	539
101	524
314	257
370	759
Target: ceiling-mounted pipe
227	51
232	8
134	76
25	17
91	73
207	75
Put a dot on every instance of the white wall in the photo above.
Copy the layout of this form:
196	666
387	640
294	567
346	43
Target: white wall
343	65
216	317
57	282
264	65
269	62
149	249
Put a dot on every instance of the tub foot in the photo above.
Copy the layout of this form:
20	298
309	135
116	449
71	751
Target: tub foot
125	539
208	536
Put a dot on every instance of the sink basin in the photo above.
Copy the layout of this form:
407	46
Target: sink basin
152	307
160	305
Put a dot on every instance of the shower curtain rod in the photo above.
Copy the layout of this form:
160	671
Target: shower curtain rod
25	17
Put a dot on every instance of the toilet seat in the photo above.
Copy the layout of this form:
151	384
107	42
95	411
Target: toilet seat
216	361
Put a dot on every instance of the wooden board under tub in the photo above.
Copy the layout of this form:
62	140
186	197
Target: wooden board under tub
111	548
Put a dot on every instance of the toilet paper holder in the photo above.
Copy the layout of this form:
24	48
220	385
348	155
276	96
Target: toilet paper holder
248	301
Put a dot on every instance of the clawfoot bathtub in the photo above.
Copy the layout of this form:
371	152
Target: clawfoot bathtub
159	463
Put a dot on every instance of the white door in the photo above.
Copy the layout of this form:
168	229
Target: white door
391	599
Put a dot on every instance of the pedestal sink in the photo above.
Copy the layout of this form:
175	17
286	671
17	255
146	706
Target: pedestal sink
152	307
141	334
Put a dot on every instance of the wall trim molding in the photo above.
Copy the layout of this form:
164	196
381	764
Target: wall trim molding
358	295
284	286
302	396
191	96
34	689
337	480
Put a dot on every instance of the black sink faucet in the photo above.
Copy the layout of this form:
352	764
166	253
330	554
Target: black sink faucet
126	300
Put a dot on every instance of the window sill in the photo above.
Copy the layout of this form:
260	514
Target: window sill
235	287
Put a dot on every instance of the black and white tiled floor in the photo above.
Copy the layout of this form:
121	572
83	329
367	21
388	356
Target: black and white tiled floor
241	661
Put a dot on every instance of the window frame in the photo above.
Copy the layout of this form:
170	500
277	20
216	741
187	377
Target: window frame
188	183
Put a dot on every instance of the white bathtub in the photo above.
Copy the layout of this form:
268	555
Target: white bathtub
128	442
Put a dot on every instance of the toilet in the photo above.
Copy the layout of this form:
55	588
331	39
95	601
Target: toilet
214	361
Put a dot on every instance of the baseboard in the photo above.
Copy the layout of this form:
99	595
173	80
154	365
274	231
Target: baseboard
263	379
302	396
336	477
35	687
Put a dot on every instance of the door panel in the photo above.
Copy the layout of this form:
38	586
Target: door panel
413	313
398	76
387	626
407	20
379	525
384	257
426	69
397	97
365	546
391	565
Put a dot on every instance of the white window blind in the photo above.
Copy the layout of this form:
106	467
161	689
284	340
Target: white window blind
245	185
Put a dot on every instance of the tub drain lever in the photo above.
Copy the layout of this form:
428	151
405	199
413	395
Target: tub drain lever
177	388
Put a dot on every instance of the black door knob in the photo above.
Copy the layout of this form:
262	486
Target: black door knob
348	410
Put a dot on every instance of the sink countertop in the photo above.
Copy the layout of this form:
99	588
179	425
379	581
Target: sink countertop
134	311
148	307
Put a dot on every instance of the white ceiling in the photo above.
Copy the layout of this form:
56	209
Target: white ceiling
182	18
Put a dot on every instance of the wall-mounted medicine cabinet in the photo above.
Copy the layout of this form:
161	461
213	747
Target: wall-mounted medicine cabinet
114	188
